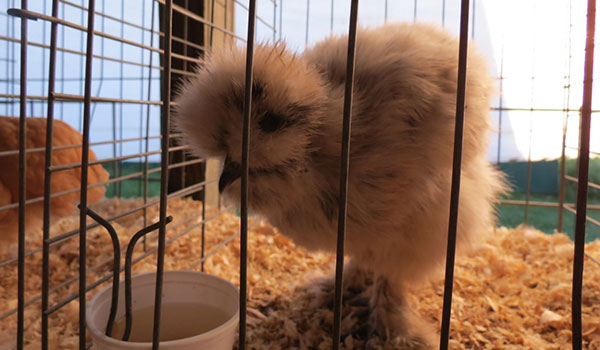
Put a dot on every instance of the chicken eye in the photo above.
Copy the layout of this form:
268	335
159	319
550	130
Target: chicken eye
271	122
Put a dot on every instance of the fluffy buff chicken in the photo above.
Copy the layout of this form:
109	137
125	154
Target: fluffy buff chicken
63	180
400	161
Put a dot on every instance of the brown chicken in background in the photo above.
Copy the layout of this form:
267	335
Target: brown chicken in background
63	180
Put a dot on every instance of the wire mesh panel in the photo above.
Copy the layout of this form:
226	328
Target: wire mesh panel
103	93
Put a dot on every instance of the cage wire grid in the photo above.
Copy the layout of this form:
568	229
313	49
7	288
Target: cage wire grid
116	105
163	53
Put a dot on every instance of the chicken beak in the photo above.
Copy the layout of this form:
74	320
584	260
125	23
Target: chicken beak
231	172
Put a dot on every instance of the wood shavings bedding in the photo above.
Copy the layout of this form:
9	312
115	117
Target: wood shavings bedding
512	292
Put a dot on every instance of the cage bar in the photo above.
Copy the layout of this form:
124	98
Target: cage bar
48	177
344	168
40	100
76	145
456	167
274	25
244	191
531	116
198	18
115	168
22	181
500	104
583	174
385	11
108	276
184	192
307	23
211	29
258	18
415	4
37	15
545	204
573	210
84	174
147	137
164	163
203	233
116	19
567	99
35	104
117	165
128	263
331	17
280	19
116	267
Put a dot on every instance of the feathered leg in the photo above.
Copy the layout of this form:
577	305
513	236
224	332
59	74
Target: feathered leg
393	320
356	282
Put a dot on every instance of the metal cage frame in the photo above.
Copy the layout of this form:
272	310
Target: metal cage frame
165	103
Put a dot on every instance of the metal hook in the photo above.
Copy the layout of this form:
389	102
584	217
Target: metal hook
116	266
117	269
128	263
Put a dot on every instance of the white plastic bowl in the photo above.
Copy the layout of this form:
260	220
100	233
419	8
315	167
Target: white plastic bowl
180	288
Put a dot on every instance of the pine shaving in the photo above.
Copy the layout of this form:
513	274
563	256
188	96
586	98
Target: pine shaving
513	291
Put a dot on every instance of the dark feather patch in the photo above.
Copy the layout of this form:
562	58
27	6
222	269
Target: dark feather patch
299	110
236	95
329	204
297	113
258	90
271	122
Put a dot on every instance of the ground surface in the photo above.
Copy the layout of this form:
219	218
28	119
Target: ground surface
512	292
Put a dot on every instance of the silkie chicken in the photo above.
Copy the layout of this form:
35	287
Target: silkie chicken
403	119
62	180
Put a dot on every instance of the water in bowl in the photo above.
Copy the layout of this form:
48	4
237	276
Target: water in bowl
178	321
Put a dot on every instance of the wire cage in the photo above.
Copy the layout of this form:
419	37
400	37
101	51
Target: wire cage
110	70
